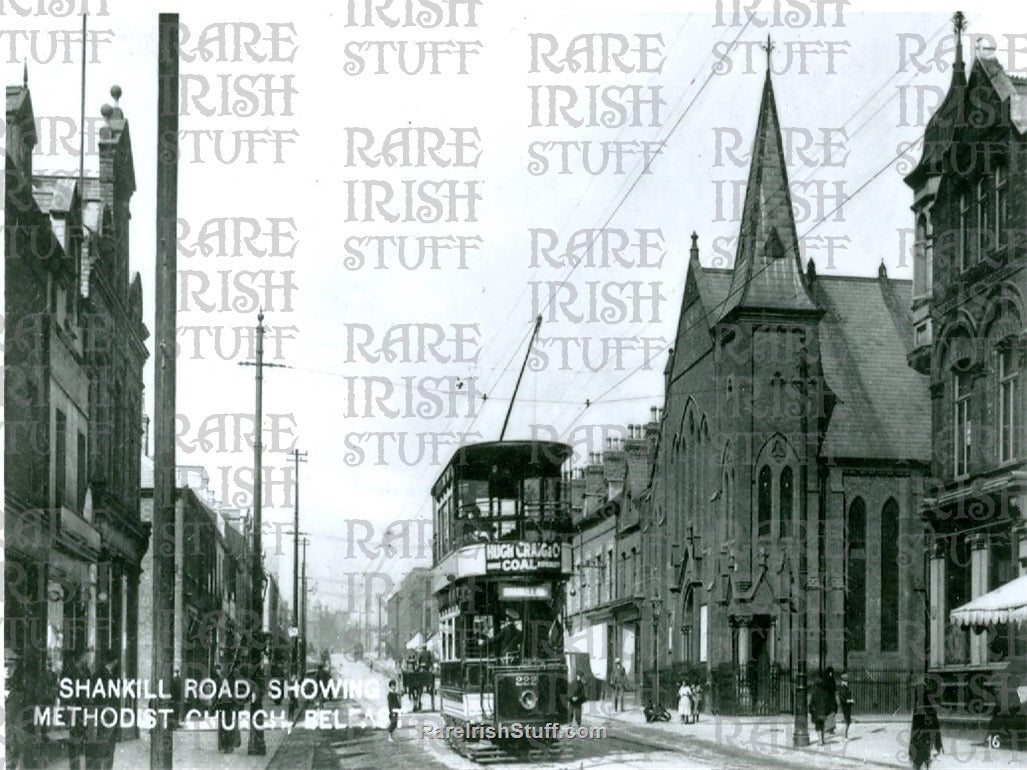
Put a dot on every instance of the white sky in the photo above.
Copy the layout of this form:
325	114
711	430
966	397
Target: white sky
677	197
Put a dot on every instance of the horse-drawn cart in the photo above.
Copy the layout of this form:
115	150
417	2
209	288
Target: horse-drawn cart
418	678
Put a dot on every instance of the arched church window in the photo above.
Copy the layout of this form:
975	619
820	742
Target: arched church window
890	576
787	498
855	584
764	502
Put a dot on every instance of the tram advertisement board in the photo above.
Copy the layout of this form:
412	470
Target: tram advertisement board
519	556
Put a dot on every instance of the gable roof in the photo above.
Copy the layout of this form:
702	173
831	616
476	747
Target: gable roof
884	407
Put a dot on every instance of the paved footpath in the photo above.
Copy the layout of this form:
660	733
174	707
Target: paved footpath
879	741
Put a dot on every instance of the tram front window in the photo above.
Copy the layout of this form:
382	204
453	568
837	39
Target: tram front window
529	630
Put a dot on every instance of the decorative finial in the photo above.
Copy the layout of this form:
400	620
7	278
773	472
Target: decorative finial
25	73
768	48
958	22
882	271
695	240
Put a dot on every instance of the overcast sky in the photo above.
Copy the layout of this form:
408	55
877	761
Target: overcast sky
847	109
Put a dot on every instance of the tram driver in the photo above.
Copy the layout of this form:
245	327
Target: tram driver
510	634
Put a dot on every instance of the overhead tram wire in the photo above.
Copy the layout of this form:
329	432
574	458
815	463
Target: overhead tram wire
631	188
424	476
585	190
916	73
863	186
583	193
602	397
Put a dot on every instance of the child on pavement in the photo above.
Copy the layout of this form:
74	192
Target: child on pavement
395	705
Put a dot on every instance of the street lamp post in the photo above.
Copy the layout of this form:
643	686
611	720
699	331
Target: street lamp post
656	605
800	731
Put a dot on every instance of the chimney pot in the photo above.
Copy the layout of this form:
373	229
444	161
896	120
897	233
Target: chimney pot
652	413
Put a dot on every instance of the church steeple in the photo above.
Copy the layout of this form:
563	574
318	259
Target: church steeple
767	270
958	68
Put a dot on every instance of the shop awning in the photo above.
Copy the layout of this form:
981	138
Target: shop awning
416	642
1006	604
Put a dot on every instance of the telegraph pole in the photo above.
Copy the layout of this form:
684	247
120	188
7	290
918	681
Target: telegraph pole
297	458
256	745
303	649
380	597
163	544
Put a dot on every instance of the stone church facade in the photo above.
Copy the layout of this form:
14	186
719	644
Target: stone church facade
792	449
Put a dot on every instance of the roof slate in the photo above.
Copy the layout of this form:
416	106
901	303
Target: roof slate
884	407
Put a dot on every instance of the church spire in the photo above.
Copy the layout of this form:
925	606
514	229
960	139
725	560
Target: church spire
767	270
958	68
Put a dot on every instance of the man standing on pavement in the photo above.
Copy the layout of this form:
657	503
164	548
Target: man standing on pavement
620	677
176	697
577	698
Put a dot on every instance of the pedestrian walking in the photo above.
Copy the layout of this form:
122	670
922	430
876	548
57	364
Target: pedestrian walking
845	700
831	686
577	698
685	703
80	737
176	698
620	682
14	711
395	704
820	707
226	707
925	732
101	757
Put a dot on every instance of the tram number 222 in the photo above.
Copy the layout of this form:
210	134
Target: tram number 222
526	680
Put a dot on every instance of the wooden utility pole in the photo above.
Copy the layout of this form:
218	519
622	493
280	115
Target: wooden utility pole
162	544
256	745
303	649
297	458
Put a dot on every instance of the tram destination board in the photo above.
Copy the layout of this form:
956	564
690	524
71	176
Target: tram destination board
508	592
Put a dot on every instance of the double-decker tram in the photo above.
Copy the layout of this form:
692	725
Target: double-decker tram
502	557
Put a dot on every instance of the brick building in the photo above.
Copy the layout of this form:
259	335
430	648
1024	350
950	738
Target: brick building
605	595
74	388
970	214
790	422
412	614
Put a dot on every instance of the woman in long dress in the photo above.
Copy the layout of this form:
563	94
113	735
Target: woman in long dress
685	702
